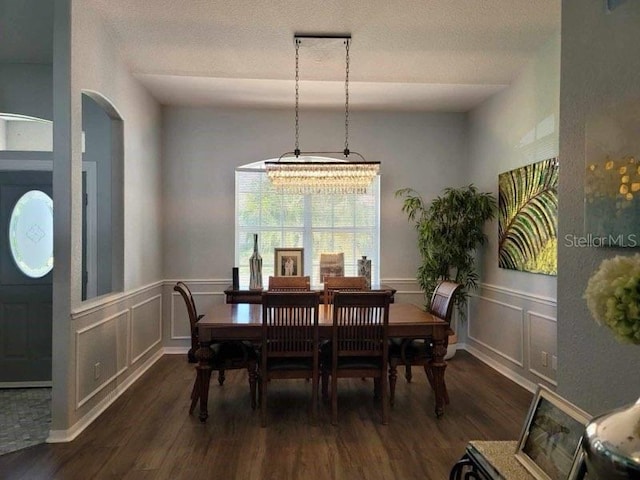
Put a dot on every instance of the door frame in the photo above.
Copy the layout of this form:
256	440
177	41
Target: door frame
43	161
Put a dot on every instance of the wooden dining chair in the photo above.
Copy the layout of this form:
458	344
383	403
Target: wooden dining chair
347	284
289	284
420	351
228	355
359	345
290	346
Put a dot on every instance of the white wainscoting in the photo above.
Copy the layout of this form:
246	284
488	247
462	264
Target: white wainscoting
117	338
514	332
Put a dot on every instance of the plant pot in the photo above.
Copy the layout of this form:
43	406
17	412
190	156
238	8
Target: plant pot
451	348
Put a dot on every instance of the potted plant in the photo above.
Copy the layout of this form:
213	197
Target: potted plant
449	228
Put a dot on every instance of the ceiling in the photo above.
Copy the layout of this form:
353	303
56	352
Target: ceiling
436	55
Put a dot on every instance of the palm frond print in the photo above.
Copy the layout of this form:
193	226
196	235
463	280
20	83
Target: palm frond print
528	218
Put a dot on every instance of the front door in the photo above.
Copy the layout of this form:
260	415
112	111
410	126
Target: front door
26	237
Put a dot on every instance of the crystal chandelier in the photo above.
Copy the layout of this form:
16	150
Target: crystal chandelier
314	172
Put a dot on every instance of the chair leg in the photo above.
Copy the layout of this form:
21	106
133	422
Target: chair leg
376	388
314	396
407	372
253	375
393	377
263	401
334	399
325	385
221	377
383	395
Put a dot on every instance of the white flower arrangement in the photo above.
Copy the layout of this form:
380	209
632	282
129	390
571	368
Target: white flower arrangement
613	296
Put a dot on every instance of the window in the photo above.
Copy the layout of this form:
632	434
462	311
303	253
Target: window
316	222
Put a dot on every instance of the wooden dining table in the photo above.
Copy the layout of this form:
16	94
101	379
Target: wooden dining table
244	322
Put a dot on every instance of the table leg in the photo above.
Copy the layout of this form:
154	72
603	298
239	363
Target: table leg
393	377
437	365
204	355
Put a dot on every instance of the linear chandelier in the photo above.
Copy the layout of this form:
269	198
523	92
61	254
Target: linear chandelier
320	172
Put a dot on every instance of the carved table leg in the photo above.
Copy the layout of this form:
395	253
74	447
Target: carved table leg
437	365
393	377
204	355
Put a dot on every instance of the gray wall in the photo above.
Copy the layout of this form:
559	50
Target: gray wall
121	332
26	89
202	147
600	69
512	316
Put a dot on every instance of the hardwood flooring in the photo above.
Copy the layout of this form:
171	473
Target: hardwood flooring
148	434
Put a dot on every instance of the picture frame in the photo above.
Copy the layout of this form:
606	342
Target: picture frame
549	445
331	265
289	262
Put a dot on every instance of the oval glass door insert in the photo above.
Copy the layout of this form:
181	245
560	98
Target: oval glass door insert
31	233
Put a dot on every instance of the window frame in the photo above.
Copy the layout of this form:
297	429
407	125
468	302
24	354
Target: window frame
307	230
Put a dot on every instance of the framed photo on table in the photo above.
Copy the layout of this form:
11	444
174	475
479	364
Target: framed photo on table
549	446
289	262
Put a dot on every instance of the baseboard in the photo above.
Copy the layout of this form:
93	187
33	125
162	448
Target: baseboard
60	436
39	384
176	350
501	369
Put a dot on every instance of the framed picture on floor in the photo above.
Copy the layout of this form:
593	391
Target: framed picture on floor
289	262
549	446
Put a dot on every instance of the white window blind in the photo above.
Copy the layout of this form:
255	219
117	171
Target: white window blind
318	223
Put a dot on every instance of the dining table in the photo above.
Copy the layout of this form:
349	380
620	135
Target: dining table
243	322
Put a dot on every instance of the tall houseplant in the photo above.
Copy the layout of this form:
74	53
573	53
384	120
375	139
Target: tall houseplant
449	229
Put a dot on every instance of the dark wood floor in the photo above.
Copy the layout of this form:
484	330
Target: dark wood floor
148	434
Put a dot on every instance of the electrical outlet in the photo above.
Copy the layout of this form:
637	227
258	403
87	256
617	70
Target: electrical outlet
545	359
554	362
97	370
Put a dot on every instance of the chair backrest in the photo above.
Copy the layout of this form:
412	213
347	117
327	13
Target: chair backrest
442	299
346	284
289	284
185	292
290	324
360	323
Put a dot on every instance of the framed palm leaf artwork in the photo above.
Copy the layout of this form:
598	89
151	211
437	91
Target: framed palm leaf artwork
528	218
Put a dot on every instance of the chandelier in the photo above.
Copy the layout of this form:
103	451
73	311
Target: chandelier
320	172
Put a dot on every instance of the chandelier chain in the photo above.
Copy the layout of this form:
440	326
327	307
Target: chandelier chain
297	149
346	101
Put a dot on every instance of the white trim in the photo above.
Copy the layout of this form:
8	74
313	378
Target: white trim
543	377
510	374
96	304
552	302
159	340
35	384
176	351
95	391
59	436
519	363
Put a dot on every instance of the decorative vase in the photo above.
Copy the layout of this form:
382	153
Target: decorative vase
364	269
612	444
255	267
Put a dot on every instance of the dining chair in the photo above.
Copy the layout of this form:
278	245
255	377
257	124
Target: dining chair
289	284
359	345
228	355
290	346
420	351
347	284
